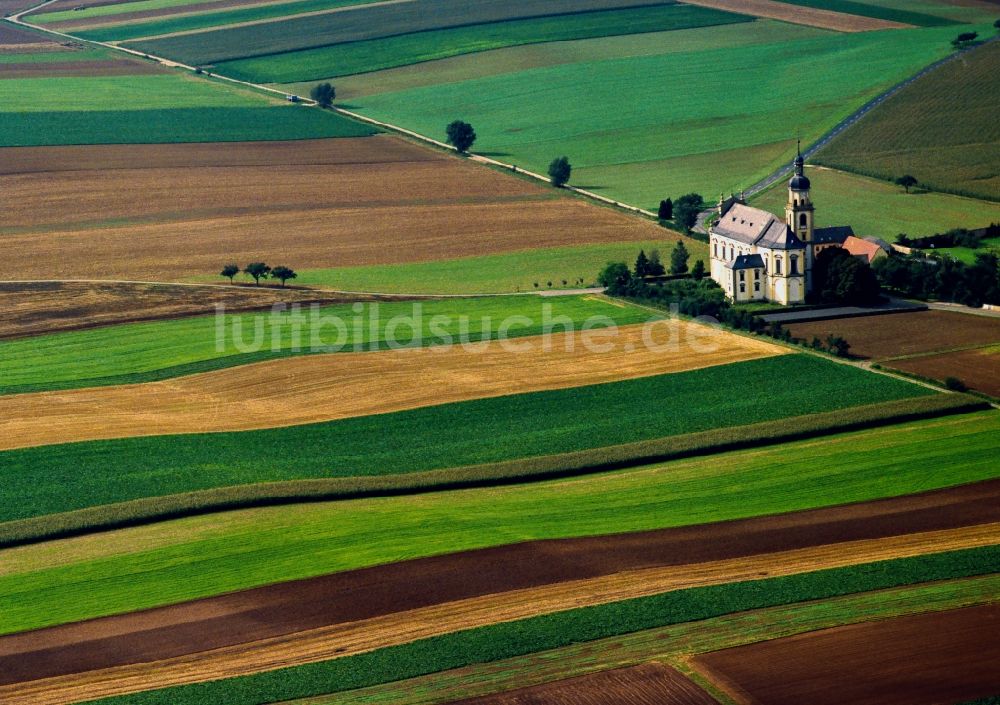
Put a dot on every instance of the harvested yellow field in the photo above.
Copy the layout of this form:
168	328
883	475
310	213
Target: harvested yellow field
326	387
367	635
796	14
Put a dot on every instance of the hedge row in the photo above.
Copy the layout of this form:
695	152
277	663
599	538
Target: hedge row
148	510
511	639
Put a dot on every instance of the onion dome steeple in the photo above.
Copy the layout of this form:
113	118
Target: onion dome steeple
799	182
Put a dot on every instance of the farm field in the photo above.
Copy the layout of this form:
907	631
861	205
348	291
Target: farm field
129	569
939	129
447	647
877	10
313	388
438	437
343	203
145	352
47	307
931	344
922	659
649	683
407	49
619	157
671	645
879	209
362	23
652	562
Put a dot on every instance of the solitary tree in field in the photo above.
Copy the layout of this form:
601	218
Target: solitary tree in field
461	136
559	171
666	211
964	39
230	270
679	259
698	270
323	94
907	182
257	270
284	274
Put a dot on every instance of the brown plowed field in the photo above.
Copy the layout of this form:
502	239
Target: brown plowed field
924	659
14	37
978	369
648	684
79	68
402	627
325	387
46	307
797	14
638	563
897	334
316	204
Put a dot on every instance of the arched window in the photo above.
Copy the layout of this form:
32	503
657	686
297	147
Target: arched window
715	247
802	220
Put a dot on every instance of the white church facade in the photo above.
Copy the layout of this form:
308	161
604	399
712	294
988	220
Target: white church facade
757	256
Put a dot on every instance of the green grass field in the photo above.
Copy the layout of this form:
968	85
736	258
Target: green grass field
143	352
184	559
373	55
52	479
44	17
155	108
529	117
968	255
507	273
942	130
880	209
673	644
47	57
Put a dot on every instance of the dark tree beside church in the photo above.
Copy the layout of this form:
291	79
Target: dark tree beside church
679	259
841	278
461	136
698	270
687	208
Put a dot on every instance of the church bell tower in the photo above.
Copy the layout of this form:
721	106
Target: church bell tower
799	209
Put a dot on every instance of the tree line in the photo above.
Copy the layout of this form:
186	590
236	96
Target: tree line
259	270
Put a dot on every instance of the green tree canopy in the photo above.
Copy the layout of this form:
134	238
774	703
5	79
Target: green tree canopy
698	270
284	274
907	181
687	208
841	278
655	268
679	259
615	277
230	270
666	211
257	270
559	171
461	136
323	94
641	264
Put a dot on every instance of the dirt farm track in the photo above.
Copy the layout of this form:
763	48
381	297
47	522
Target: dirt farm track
309	204
853	533
923	659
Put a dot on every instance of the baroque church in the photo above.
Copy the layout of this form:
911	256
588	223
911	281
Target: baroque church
757	256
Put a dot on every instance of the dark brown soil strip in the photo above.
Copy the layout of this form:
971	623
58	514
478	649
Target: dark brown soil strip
46	307
286	608
10	35
925	659
78	68
648	684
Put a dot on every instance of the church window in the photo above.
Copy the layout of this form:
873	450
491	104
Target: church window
743	276
716	250
777	265
802	220
743	288
756	286
793	265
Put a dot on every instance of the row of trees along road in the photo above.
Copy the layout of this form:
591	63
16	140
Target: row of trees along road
259	270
